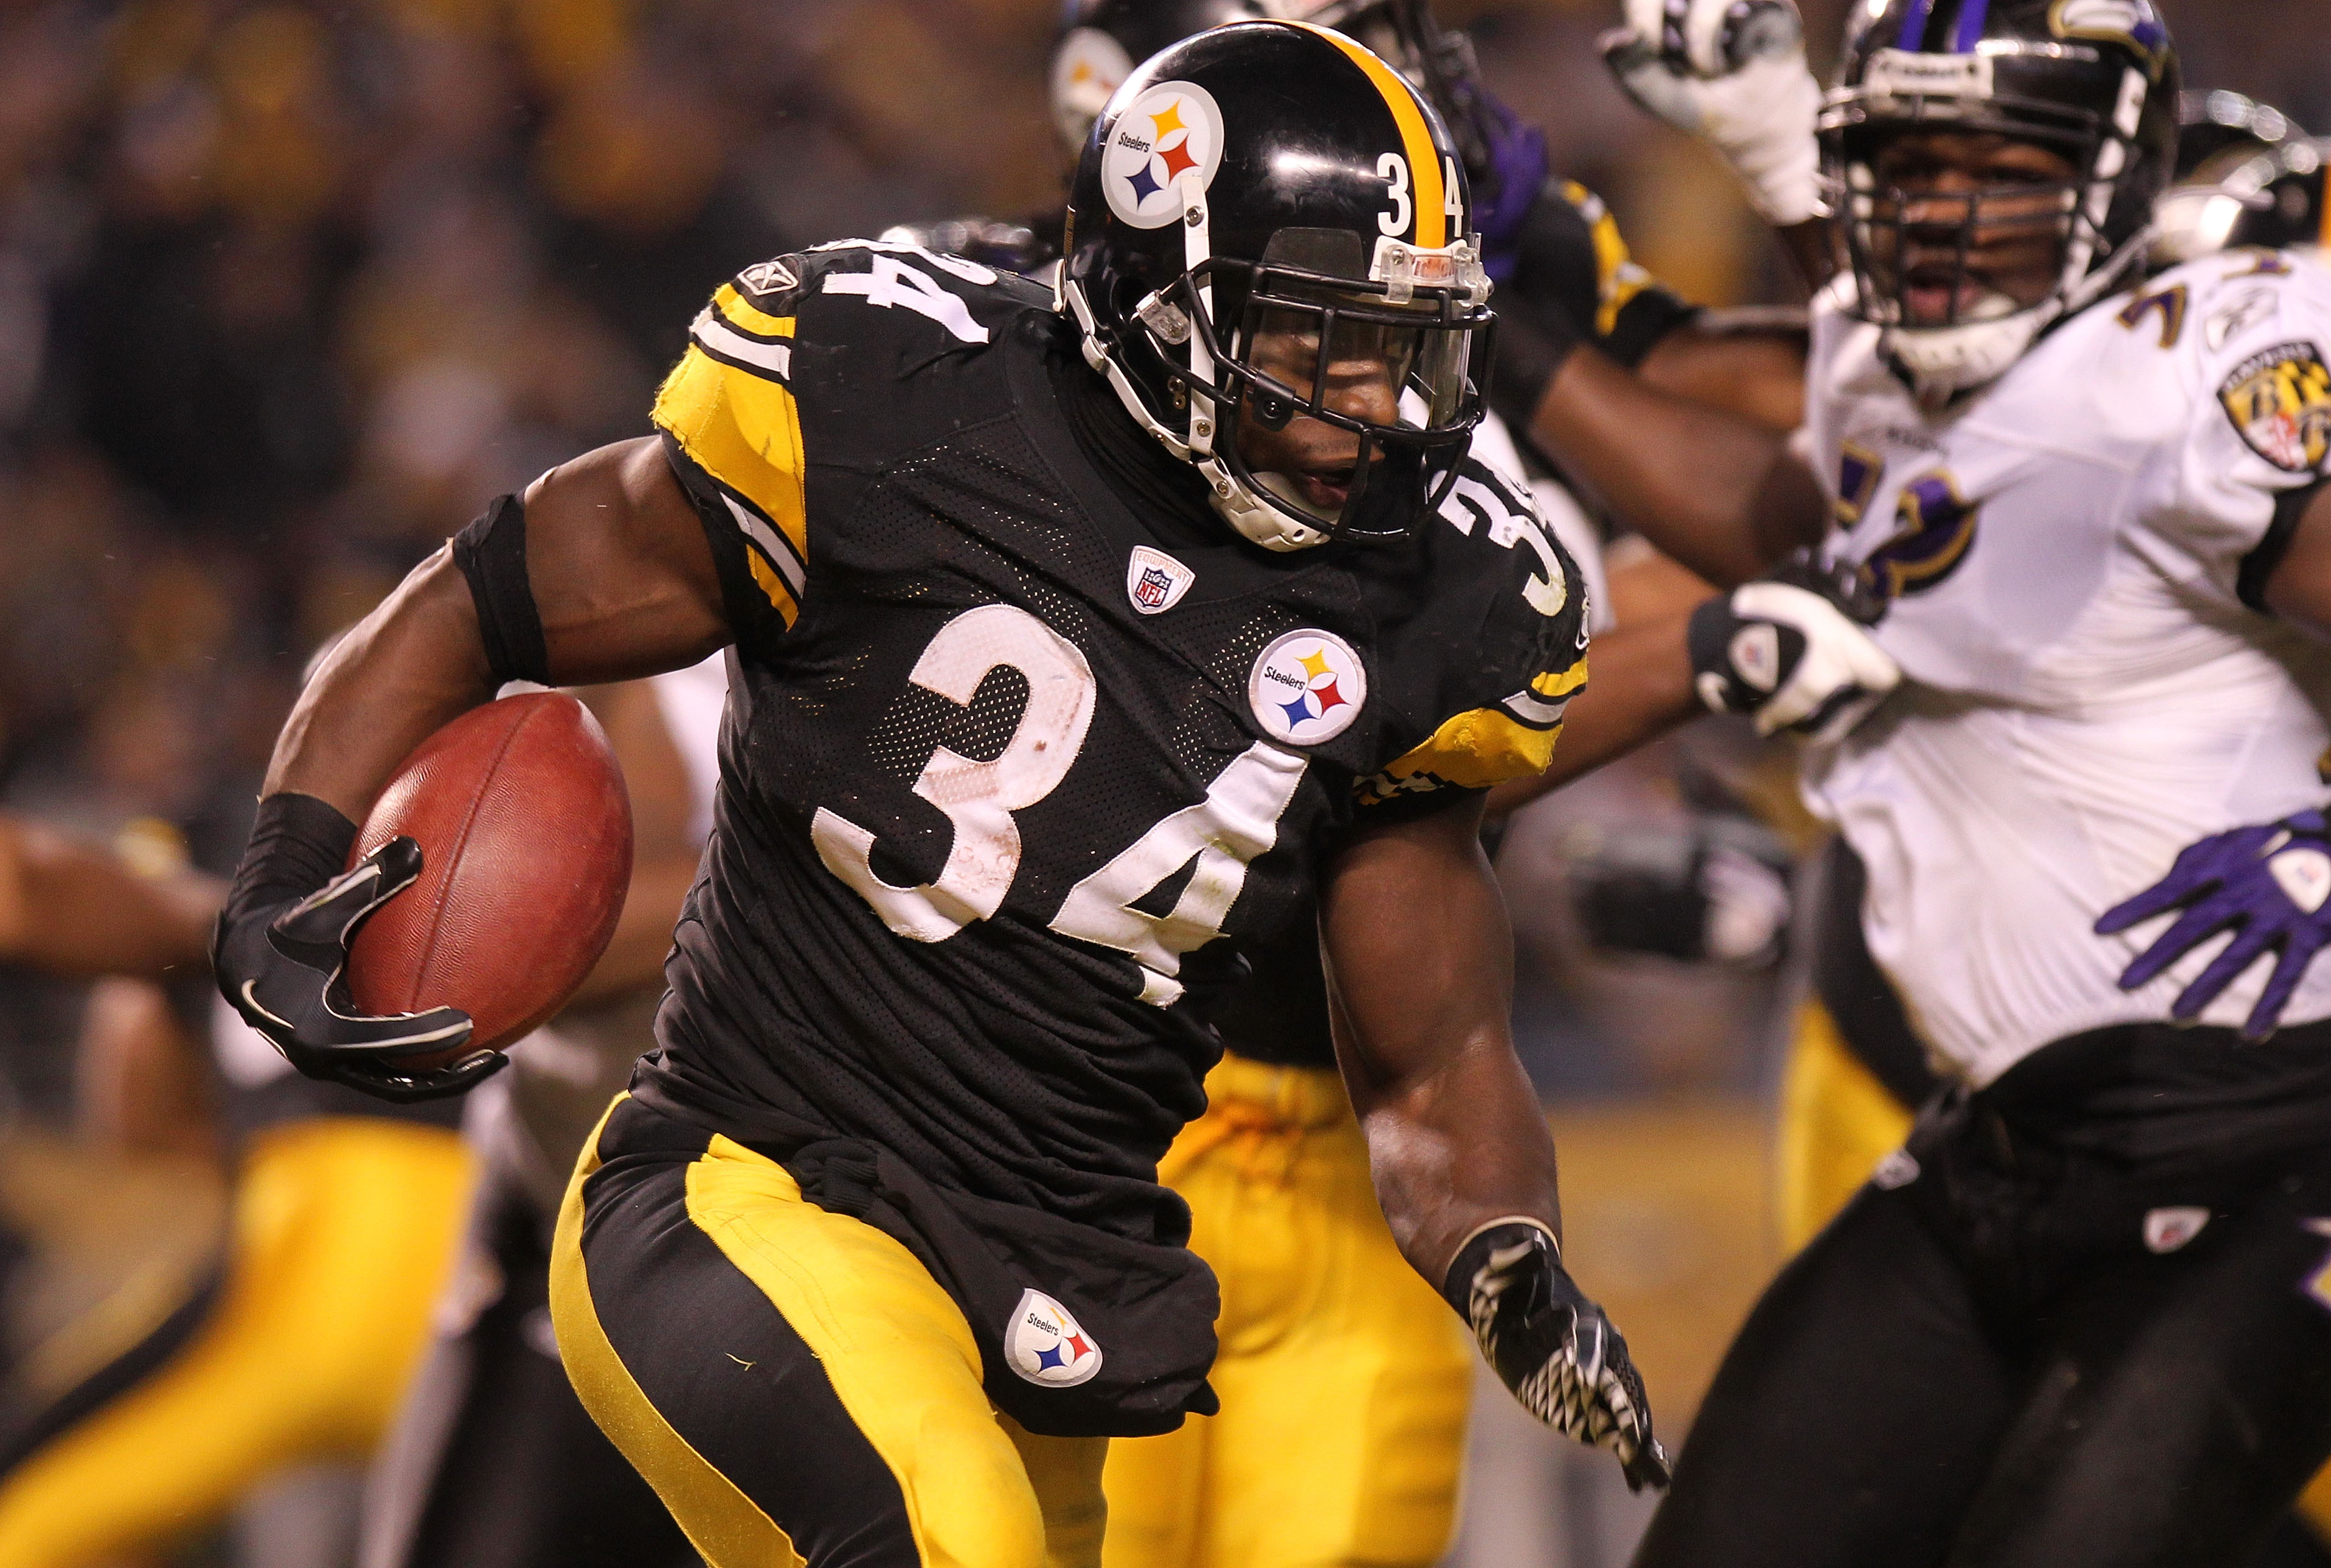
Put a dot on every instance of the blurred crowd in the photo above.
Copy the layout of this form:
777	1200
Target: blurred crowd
289	287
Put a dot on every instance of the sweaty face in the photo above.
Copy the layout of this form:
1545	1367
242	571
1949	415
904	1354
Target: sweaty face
2001	205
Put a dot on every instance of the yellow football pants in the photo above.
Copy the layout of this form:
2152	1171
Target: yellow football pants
343	1230
792	1383
1837	1122
1344	1377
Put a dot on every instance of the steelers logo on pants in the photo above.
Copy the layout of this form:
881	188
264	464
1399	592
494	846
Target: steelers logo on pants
1308	688
1045	1345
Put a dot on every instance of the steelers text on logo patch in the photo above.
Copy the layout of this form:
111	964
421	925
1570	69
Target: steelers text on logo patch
1170	131
1045	1345
2281	401
1308	688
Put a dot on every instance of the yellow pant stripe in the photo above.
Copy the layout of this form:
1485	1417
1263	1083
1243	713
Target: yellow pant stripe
723	1524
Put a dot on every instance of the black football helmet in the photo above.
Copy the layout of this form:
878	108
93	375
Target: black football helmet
2095	80
1257	206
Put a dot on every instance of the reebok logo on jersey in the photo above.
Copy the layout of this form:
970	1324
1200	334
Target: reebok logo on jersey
1155	581
1044	1345
1308	688
2281	401
768	278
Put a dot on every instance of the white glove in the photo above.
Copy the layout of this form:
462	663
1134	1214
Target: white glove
1733	74
1790	659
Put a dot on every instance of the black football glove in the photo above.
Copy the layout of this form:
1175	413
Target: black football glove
1554	1348
281	952
1793	651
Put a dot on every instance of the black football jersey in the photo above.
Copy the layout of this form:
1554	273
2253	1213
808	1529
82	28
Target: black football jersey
1020	750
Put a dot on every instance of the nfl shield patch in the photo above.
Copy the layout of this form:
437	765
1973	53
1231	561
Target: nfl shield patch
1155	581
2281	401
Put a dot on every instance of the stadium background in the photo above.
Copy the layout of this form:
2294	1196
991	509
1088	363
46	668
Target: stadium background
287	291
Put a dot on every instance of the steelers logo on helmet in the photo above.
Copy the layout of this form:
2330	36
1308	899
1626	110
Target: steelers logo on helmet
1308	688
1045	1345
1170	130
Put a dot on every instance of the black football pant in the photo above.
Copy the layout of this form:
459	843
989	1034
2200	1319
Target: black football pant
494	1462
2015	1359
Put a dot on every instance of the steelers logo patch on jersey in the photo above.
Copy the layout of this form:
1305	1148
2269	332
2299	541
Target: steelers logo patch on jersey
1045	1345
2281	401
1308	688
1171	130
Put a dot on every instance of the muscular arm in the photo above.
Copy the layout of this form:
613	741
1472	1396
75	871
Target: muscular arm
626	586
1420	963
1734	362
1719	493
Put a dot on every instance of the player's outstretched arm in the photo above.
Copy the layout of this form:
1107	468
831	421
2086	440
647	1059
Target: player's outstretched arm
1420	959
72	908
602	573
1742	502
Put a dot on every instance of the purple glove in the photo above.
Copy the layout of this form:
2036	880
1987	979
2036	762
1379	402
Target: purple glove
1517	166
2267	885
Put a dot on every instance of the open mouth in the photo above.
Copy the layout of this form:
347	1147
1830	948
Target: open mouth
1936	293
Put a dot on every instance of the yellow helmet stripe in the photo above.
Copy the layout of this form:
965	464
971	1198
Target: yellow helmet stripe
1430	193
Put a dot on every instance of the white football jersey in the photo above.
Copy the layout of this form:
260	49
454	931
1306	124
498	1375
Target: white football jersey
2074	557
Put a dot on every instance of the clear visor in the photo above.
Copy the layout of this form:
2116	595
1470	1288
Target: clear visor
1350	378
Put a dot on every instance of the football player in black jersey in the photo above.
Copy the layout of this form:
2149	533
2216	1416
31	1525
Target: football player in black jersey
1345	1390
1069	645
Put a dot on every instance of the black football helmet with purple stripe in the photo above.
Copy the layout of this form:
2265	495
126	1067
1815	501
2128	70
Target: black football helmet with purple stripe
2095	81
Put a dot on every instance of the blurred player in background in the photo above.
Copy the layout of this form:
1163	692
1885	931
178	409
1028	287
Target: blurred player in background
2073	1321
494	1463
296	1347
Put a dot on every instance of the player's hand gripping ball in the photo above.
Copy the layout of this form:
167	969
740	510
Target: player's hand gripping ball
1554	1348
2271	886
1732	73
484	887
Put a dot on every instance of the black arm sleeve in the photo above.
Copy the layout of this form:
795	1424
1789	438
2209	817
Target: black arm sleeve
491	554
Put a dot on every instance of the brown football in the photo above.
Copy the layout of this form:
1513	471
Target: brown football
525	830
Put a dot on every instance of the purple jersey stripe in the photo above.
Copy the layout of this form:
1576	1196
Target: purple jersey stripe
1972	15
1913	25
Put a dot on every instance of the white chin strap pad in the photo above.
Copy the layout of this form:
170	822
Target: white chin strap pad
1942	360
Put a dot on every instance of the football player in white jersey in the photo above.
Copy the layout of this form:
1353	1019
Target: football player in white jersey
2084	1316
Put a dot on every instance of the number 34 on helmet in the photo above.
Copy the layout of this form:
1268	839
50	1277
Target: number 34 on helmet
1271	259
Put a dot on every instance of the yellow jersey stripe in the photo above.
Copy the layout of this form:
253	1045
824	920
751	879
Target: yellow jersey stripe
744	429
1479	749
1429	190
746	318
1560	682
